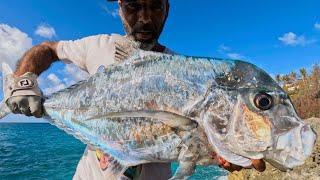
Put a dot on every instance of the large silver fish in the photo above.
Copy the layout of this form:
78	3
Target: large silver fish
155	107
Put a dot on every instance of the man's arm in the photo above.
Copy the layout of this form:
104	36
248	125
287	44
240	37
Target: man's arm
37	59
22	94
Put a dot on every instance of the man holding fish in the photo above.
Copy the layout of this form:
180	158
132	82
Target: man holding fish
143	21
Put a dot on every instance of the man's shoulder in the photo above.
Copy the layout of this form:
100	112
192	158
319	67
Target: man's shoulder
169	51
103	37
99	38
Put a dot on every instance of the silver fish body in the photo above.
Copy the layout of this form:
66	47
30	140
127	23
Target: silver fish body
156	107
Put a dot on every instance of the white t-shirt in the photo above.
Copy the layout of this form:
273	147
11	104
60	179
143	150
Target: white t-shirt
89	54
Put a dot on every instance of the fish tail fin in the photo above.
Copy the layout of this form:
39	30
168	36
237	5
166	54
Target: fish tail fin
4	109
6	69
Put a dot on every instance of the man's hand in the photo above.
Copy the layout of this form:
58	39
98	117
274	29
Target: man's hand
22	95
27	105
103	159
258	164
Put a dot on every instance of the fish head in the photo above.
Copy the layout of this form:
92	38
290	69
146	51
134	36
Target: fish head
267	126
262	121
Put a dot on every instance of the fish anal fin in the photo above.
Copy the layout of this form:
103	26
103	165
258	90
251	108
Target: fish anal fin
188	157
187	160
184	170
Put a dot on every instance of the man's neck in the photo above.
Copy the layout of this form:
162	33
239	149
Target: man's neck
158	48
153	47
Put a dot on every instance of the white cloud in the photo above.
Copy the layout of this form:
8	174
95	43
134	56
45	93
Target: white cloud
13	44
54	79
112	12
50	83
45	31
53	89
317	26
235	56
71	74
75	73
227	51
224	48
291	39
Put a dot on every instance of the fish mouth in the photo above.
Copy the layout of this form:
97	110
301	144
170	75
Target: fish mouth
292	148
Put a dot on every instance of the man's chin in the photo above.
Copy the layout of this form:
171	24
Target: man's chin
145	41
144	38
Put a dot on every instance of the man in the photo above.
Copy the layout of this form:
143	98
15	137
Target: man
143	21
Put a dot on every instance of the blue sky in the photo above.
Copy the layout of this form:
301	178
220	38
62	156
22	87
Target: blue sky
279	36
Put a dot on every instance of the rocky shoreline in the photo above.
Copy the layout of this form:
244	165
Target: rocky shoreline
310	170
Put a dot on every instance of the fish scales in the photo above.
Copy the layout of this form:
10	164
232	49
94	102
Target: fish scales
171	84
135	142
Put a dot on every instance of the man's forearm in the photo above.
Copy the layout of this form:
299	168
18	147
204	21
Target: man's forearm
37	59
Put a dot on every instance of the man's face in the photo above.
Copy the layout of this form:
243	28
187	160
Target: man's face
144	19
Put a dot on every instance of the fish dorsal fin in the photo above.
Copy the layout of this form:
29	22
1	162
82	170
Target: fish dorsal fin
168	118
6	69
125	49
101	69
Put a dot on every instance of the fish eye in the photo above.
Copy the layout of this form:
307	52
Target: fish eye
263	101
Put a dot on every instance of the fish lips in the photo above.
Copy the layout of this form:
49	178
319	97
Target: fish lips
292	148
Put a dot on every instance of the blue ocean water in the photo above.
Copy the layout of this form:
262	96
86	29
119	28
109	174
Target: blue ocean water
41	151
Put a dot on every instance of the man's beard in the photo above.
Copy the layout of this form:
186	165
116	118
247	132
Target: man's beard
145	45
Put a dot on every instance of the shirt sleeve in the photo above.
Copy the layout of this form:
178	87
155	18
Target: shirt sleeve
75	51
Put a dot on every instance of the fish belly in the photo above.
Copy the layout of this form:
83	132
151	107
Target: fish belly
131	141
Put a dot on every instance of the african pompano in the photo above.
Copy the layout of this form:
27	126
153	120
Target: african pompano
155	107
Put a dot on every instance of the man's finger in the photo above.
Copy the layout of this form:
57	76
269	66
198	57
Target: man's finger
15	108
104	162
35	104
231	167
228	166
24	107
235	167
258	164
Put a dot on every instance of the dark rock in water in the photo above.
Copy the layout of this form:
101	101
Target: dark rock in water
310	170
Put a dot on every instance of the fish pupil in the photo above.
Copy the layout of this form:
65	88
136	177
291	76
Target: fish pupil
263	101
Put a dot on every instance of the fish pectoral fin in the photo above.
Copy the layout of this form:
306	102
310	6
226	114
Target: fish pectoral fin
170	119
176	123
